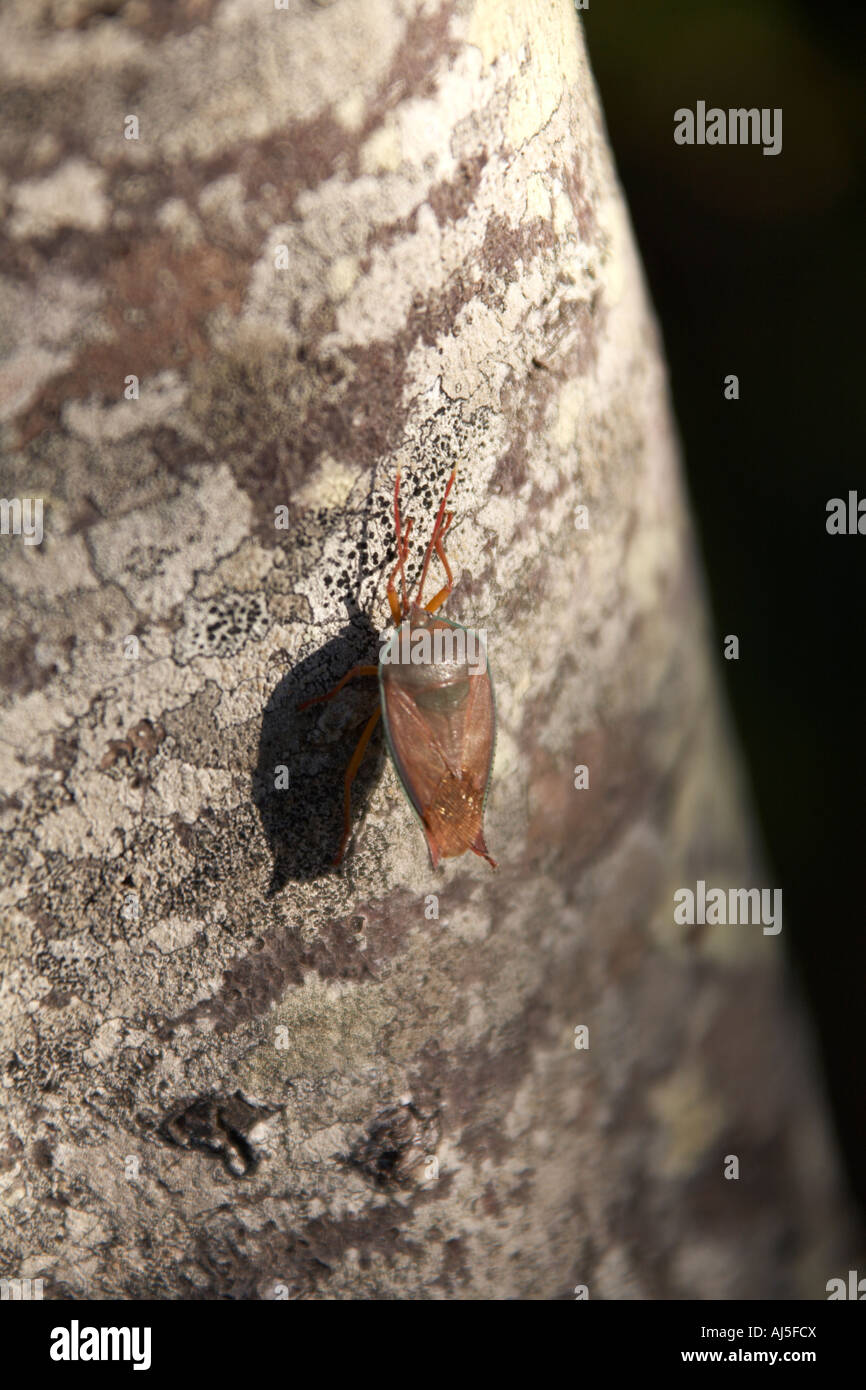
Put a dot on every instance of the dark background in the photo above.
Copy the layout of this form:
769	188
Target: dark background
755	265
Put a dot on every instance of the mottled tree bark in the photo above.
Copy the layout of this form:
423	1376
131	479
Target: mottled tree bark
337	239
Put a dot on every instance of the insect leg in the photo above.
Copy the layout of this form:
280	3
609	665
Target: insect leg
438	599
398	609
350	675
351	770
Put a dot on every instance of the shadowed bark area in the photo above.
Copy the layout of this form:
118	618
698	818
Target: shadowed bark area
338	239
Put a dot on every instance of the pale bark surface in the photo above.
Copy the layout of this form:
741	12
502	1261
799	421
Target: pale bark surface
225	1067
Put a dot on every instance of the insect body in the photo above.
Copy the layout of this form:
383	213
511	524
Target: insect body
436	700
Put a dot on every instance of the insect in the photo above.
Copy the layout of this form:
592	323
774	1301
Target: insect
437	705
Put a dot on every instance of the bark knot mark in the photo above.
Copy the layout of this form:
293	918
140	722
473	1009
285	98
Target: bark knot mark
216	1125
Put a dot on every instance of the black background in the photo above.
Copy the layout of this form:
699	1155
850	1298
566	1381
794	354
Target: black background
755	265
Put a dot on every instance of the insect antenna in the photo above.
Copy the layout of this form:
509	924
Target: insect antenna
402	552
439	528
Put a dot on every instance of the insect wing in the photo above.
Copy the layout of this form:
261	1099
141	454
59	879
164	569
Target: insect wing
443	758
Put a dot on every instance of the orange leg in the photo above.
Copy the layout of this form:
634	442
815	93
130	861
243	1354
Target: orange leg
439	528
437	600
350	675
351	771
399	607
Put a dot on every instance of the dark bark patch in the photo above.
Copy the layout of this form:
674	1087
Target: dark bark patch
490	1203
396	1145
21	672
475	1086
520	1195
451	199
575	184
455	1264
240	1264
511	471
350	948
159	299
275	411
589	318
216	1125
64	752
583	822
486	1140
505	245
10	1152
55	999
174	454
153	18
142	737
412	71
146	736
277	168
41	1155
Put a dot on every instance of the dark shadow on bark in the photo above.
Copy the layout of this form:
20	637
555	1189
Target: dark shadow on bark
310	750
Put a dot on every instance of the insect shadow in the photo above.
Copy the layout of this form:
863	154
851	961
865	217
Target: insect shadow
298	781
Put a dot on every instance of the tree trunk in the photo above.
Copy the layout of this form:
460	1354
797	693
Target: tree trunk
254	260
